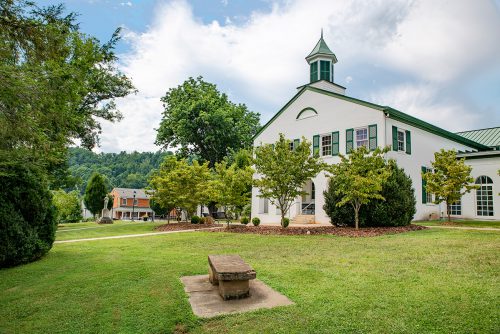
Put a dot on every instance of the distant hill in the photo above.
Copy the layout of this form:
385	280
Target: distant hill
123	170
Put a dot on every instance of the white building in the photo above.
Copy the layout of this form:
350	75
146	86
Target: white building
334	122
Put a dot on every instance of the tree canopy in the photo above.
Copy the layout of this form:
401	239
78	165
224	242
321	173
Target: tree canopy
283	171
95	193
55	84
449	178
201	121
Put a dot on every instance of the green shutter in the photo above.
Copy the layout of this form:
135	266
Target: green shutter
316	145
296	143
372	137
335	143
349	140
314	71
424	185
394	138
408	142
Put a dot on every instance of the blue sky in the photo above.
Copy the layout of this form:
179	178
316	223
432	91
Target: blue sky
436	60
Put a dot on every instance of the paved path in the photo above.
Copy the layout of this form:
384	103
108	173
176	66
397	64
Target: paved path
466	228
132	235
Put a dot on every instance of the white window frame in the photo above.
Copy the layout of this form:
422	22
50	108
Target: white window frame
326	150
486	203
403	133
124	201
456	208
355	139
136	201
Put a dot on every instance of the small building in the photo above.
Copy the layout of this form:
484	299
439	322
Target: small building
130	203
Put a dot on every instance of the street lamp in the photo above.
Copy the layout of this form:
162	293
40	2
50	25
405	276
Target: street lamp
133	207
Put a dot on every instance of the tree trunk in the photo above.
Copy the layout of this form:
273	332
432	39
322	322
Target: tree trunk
448	212
356	217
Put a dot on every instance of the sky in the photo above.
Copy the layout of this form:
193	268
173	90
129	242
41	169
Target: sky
438	60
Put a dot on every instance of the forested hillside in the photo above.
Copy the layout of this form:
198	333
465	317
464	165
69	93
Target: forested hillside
123	170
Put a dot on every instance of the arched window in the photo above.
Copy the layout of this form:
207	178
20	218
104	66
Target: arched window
484	196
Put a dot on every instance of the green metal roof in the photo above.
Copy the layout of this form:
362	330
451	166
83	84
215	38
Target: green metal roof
489	137
322	49
391	112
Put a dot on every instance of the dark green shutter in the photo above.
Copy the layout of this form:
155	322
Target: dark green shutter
324	70
314	72
372	137
335	143
316	145
424	185
296	143
349	140
394	138
408	142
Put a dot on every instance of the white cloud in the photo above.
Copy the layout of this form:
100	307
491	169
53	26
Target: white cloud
261	61
128	3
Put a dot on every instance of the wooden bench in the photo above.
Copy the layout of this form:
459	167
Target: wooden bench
232	274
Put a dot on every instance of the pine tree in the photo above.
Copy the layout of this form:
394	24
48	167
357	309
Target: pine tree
95	193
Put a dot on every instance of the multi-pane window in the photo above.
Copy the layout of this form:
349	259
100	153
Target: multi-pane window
124	201
430	200
484	196
136	201
456	208
362	137
326	145
401	140
314	71
324	67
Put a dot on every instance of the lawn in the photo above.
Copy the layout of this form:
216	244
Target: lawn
94	230
462	223
432	281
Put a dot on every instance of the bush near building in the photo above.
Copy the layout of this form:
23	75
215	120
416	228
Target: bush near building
398	208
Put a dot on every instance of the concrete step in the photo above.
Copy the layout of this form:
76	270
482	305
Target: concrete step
304	219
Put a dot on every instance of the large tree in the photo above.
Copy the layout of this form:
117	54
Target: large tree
201	121
359	178
282	171
56	83
449	178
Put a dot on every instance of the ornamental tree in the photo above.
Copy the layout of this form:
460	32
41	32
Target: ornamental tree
94	194
449	178
178	184
233	185
201	121
283	171
359	178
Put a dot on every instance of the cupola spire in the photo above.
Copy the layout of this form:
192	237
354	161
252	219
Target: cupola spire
321	60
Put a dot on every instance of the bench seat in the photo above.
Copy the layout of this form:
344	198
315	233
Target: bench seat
232	274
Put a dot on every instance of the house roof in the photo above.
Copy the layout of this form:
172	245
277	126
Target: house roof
129	193
391	112
322	49
479	155
489	137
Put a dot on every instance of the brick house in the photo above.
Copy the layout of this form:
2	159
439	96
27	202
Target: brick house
128	203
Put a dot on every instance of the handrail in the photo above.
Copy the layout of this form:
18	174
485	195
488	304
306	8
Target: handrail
307	206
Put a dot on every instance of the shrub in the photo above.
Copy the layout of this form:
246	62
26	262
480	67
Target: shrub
145	218
397	209
195	220
286	222
256	221
245	220
202	220
209	220
27	216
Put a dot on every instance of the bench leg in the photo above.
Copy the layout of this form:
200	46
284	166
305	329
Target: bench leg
234	289
212	277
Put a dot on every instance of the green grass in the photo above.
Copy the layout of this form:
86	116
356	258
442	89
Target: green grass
432	281
94	230
462	223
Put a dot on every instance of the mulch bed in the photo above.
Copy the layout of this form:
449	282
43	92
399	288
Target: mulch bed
320	230
185	226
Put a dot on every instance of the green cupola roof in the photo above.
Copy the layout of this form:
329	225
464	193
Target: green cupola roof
321	49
